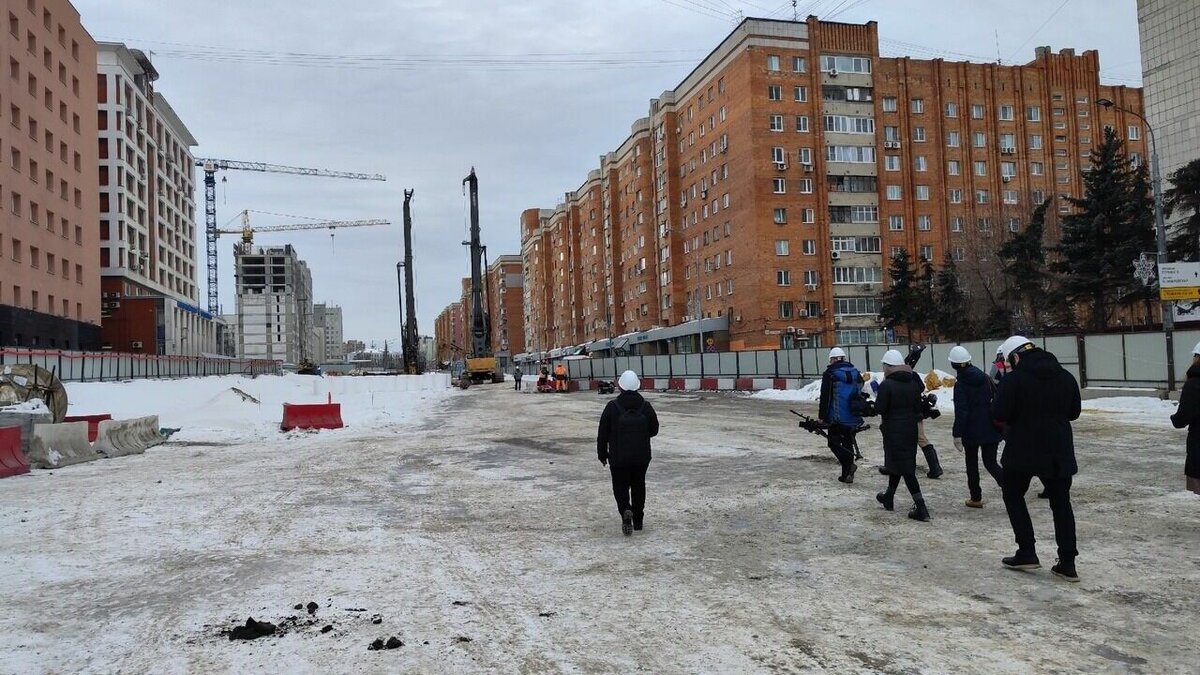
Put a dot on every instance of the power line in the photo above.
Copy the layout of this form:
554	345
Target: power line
1039	29
696	10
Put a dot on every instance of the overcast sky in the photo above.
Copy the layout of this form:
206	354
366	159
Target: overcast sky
530	92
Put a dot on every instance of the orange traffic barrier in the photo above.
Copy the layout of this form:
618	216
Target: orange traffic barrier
12	460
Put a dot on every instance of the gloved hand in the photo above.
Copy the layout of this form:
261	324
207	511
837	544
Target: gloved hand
875	386
604	460
958	444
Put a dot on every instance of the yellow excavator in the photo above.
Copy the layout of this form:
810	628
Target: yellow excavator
481	365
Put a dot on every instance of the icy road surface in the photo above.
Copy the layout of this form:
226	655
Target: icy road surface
754	558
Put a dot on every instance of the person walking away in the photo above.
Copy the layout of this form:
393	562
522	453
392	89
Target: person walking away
899	408
517	377
974	430
1188	415
1037	403
840	384
623	444
560	377
927	449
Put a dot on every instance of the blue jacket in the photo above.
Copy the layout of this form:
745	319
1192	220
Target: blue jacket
839	384
973	391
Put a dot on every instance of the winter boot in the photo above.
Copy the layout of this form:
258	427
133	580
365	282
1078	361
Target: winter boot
637	522
975	503
886	500
931	459
919	511
1022	561
627	523
1065	568
848	476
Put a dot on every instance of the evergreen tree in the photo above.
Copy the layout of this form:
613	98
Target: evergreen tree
1140	237
951	315
1101	238
1024	264
1183	199
897	300
924	302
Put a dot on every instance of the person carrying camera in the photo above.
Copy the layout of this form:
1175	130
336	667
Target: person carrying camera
901	407
841	396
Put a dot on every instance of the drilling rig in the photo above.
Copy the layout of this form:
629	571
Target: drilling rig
408	332
481	364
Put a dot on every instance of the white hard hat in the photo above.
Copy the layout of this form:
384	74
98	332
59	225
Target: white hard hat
1012	344
837	353
1196	349
893	358
959	354
629	381
1000	351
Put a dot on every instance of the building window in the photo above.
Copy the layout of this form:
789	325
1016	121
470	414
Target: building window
778	155
896	251
952	139
922	193
953	167
955	196
891	133
779	185
982	197
781	247
924	223
845	64
985	224
810	247
785	309
976	111
920	163
1008	169
1010	196
891	163
805	155
979	139
896	223
1035	142
1033	113
893	193
802	123
783	278
951	110
958	254
1006	113
980	168
863	154
801	94
799	64
773	62
956	224
1014	224
1134	132
1037	168
926	252
780	216
1008	142
809	216
917	105
774	92
776	123
889	104
806	186
919	134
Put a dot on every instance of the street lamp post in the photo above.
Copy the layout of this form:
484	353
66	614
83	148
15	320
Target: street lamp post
1168	317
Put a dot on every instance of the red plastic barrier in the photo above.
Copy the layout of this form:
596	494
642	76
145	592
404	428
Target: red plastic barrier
708	384
743	384
648	384
12	460
311	416
675	384
780	383
93	423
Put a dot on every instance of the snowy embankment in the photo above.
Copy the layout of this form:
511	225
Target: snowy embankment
1148	410
235	408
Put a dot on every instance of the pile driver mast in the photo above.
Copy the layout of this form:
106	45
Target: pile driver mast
481	363
408	332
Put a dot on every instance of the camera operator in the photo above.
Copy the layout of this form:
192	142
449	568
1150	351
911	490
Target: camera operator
840	386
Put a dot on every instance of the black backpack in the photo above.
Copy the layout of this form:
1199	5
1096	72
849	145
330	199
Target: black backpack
631	436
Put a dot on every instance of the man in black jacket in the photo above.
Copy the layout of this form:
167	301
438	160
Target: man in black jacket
623	443
1188	415
1037	402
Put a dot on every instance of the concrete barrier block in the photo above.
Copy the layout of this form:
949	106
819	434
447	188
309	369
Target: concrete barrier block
54	446
761	383
25	422
119	438
691	384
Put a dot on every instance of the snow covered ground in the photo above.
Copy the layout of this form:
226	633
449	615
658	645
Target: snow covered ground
479	527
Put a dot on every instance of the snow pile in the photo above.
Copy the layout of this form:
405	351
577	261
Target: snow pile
236	408
810	392
1134	405
32	407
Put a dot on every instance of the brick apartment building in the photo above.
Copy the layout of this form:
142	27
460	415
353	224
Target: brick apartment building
49	268
449	333
504	302
766	192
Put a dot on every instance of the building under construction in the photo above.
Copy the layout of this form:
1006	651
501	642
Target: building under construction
274	305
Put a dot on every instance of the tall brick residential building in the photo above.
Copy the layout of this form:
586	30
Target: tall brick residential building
766	192
505	305
49	207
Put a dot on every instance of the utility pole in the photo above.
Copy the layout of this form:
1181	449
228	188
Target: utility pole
408	331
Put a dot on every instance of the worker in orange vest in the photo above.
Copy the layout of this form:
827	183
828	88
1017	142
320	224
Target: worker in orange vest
560	377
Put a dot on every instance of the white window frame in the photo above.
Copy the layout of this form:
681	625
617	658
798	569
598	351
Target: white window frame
800	94
895	223
776	123
1007	112
921	193
890	104
773	63
894	193
782	247
779	186
924	223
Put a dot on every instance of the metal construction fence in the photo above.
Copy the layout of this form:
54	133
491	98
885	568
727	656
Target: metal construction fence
100	366
1110	360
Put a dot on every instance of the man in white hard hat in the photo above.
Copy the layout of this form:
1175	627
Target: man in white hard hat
623	444
840	385
1037	402
1188	415
974	429
900	409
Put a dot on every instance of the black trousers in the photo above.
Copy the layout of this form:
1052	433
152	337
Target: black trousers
910	482
629	487
1058	490
518	381
841	443
971	452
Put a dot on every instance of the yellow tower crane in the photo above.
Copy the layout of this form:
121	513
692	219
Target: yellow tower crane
247	231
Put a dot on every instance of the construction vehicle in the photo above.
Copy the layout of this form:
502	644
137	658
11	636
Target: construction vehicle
481	364
211	166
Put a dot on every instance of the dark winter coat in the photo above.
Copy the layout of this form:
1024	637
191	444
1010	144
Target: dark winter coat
1037	402
636	451
973	392
1188	415
899	408
839	383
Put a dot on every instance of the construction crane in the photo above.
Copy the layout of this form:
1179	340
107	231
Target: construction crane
247	231
211	166
481	364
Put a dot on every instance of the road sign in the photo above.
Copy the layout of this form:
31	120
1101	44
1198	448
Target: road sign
1179	281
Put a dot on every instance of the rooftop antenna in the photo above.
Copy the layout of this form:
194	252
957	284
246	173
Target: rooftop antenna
999	60
795	14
